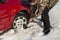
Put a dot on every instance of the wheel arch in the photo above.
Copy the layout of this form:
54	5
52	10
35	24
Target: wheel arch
25	12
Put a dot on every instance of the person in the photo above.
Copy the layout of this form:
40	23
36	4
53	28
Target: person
44	14
46	6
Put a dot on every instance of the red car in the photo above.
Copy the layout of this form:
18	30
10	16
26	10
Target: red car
13	14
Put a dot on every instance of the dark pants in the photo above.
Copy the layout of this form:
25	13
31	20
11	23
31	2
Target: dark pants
45	18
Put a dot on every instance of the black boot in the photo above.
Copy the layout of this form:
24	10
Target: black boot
46	31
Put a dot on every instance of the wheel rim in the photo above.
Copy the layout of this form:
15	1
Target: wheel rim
19	22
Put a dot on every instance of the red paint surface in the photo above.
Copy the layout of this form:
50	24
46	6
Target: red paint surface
8	11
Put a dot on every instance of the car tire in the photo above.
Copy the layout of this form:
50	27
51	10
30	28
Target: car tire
20	21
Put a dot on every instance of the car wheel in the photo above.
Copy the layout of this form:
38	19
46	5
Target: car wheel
20	21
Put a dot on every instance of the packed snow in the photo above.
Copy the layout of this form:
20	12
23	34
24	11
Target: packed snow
34	32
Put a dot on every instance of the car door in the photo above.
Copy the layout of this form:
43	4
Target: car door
4	15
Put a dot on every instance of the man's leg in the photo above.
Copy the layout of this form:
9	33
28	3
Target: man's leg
45	19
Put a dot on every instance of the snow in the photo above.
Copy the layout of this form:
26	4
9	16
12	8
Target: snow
54	14
35	30
29	33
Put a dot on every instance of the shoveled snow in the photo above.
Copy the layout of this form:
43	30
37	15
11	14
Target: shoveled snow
31	32
35	30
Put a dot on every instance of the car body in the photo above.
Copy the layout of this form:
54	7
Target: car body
8	11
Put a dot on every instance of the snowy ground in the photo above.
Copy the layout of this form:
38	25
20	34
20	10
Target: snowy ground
35	31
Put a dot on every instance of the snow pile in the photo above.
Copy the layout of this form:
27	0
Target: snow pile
54	15
30	33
